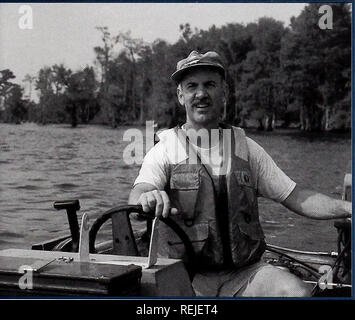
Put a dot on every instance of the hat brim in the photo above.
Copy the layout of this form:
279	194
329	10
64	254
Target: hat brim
177	76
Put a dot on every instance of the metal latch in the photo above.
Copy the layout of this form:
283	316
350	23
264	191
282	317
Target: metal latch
84	239
153	246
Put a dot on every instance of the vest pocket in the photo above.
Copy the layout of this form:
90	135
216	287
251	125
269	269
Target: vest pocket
185	202
184	187
185	180
244	177
198	235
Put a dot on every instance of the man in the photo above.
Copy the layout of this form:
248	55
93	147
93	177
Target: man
206	176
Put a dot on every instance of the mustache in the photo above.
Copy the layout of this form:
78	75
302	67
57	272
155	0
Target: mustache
203	101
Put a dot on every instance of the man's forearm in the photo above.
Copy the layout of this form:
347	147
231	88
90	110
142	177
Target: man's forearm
316	205
134	196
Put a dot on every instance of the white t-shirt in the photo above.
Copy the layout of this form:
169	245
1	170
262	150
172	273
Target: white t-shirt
271	182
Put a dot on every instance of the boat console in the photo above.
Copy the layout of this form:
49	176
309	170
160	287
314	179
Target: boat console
75	266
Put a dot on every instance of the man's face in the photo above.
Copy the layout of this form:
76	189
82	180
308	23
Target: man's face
203	93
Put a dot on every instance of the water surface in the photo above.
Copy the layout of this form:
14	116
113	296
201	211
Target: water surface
41	164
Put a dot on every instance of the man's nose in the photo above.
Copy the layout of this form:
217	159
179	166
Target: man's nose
201	92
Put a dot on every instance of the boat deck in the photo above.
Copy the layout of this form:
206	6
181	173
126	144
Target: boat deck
156	280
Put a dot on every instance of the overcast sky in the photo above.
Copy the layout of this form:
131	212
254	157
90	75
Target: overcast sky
65	33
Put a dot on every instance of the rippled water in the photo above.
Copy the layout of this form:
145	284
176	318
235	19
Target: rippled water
41	164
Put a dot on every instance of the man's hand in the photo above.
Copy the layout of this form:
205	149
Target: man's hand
151	199
158	201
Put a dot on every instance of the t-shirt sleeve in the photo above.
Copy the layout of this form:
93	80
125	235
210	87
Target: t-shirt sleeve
270	180
154	169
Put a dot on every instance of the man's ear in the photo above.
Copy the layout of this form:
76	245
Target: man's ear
180	95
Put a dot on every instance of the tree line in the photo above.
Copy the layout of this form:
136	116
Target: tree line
298	75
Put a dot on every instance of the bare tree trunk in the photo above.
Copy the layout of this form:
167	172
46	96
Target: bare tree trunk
141	111
327	118
30	93
308	122
302	118
224	117
133	75
133	98
125	91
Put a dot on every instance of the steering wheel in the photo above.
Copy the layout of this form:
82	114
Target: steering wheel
124	242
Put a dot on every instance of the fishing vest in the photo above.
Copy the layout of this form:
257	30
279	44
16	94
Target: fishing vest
192	191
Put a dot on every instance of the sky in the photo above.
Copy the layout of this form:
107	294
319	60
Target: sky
65	32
